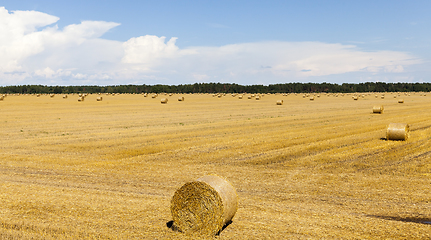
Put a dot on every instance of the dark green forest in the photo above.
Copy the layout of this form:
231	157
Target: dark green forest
225	88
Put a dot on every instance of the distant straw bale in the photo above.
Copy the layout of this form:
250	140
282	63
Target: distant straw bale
1	98
65	96
240	96
257	98
378	109
181	99
99	99
397	131
52	95
81	99
164	100
311	98
400	100
279	102
204	206
154	96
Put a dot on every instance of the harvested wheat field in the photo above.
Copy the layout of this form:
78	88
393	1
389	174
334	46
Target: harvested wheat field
306	169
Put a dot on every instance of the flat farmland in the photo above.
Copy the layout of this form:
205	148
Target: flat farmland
302	170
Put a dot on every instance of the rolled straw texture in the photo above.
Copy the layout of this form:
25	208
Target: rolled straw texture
164	100
378	109
397	131
204	206
279	102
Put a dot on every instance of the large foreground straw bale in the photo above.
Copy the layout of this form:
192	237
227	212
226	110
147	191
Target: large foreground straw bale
397	131
378	109
204	206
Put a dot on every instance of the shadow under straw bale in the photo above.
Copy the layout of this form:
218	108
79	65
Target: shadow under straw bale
420	220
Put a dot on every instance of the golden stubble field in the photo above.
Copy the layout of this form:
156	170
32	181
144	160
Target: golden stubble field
302	170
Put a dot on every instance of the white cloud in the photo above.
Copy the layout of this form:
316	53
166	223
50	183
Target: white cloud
32	49
147	49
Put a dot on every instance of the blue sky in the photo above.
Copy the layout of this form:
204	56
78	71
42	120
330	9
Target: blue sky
244	42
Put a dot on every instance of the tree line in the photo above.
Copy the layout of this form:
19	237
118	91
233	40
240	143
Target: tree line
225	88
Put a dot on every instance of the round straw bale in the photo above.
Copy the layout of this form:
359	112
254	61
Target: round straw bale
378	109
279	102
257	97
164	100
1	98
52	95
204	206
154	96
355	97
64	96
397	131
181	99
400	100
99	99
311	98
249	97
80	99
240	96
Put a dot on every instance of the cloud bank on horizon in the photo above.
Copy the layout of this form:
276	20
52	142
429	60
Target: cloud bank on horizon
33	50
